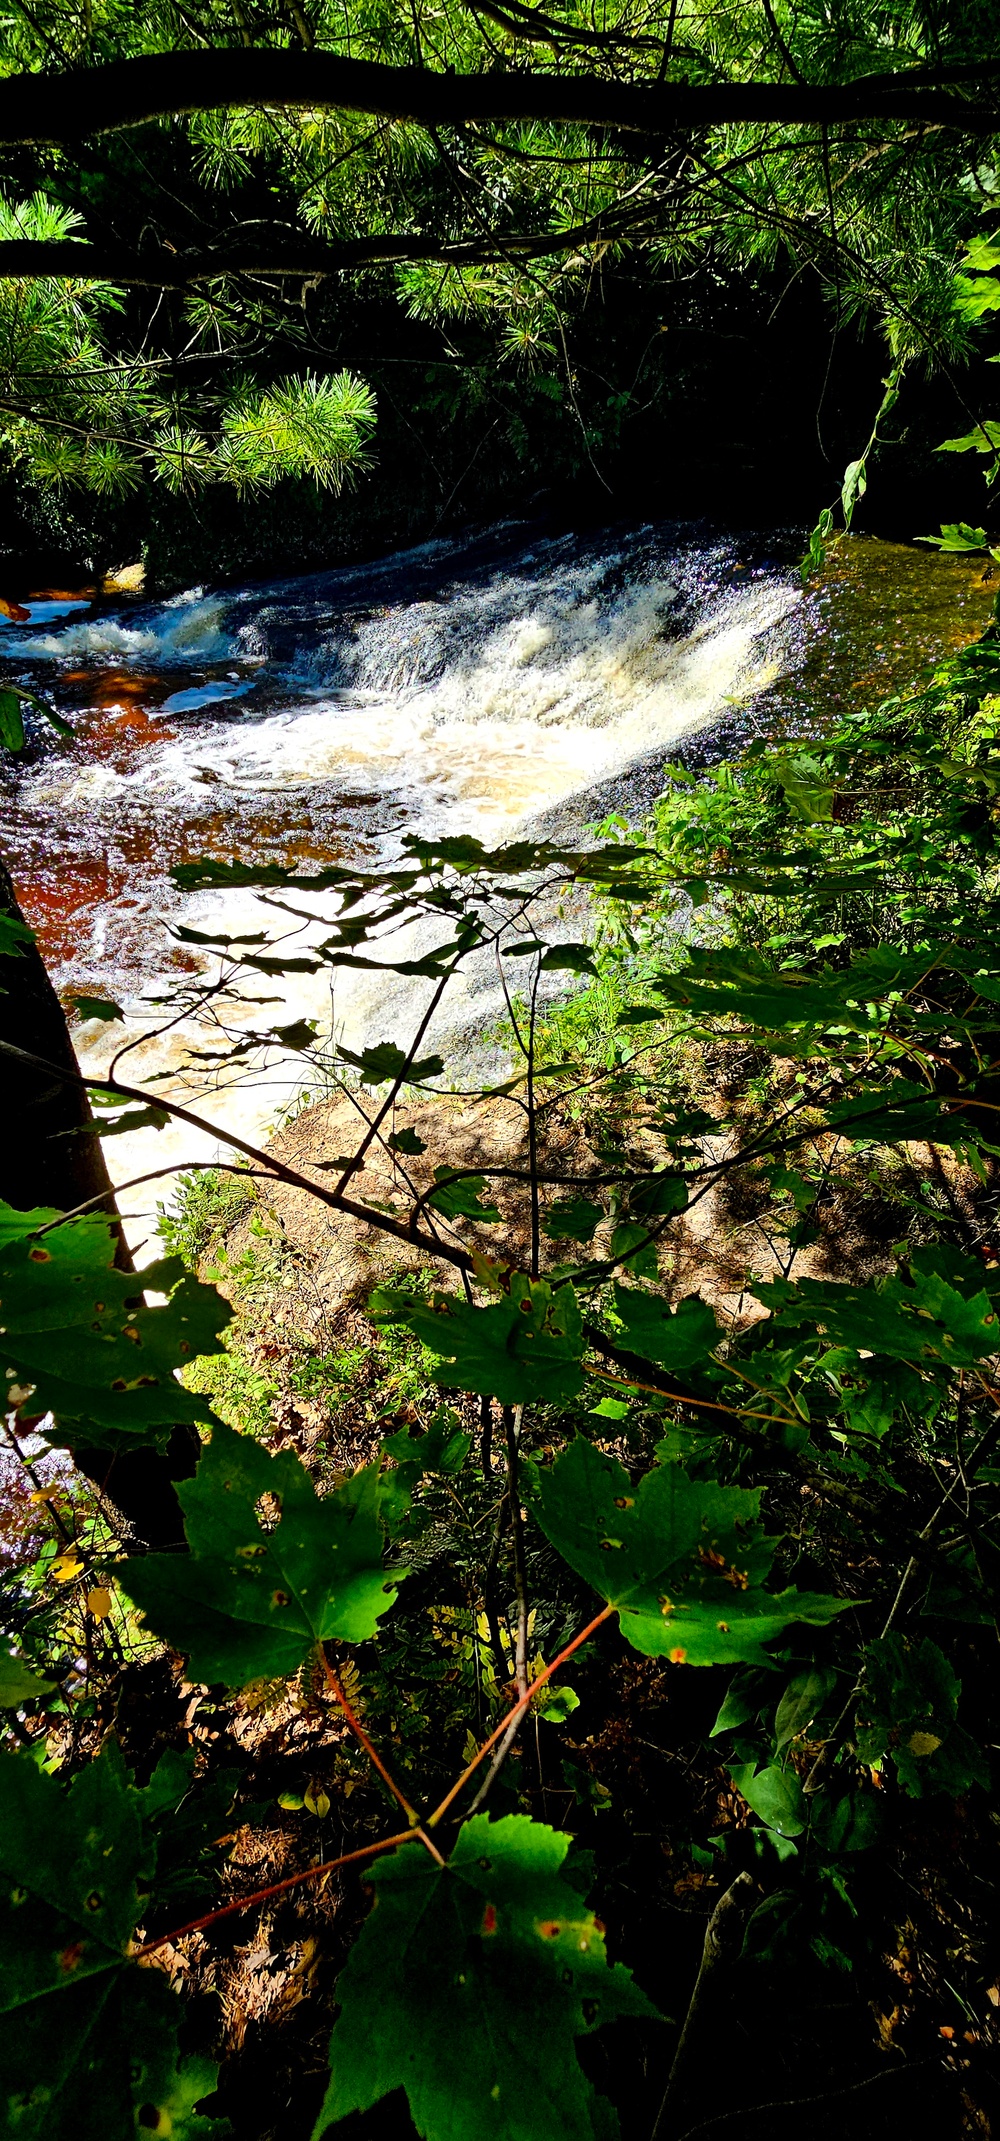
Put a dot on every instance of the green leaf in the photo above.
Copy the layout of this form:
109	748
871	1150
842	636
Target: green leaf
406	1141
468	1987
444	1448
18	1683
984	439
957	536
386	1063
923	1322
907	1709
801	1702
808	792
744	1697
571	1219
767	997
818	540
876	1399
301	1034
254	1596
89	2041
80	1341
630	1244
982	253
525	1346
555	1705
12	698
683	1561
854	487
568	958
976	295
266	964
169	1784
679	1339
11	721
459	1199
852	1823
898	1111
151	1118
190	1820
97	1007
956	1591
659	1196
775	1795
14	935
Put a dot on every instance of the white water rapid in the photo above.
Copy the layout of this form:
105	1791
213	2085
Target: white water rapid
481	686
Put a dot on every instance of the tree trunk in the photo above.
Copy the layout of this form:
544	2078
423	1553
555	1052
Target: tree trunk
43	1162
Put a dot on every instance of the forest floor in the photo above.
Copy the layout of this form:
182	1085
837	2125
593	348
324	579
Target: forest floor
872	2027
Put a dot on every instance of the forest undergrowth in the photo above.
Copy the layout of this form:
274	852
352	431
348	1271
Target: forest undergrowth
648	1564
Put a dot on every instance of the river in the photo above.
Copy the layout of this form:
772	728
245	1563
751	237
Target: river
518	676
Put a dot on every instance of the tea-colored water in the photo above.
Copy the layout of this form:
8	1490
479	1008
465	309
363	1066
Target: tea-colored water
472	685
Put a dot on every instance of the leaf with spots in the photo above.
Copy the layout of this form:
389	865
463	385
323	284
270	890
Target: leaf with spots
683	1561
524	1347
81	1341
89	2041
468	1987
920	1317
260	1587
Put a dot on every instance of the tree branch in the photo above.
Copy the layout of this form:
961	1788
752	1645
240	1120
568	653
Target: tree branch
278	1170
302	256
61	109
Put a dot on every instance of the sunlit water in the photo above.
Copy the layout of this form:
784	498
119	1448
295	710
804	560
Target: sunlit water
481	685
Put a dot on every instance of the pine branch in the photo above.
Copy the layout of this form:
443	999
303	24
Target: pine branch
62	109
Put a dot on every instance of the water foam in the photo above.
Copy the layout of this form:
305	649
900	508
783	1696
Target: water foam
189	628
484	705
478	702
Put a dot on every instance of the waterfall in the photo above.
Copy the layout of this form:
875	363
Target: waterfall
480	686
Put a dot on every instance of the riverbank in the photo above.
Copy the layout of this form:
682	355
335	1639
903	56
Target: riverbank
826	1385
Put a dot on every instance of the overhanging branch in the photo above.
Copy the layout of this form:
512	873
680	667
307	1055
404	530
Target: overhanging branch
60	109
306	259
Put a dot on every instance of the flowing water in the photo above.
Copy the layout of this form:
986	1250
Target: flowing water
516	678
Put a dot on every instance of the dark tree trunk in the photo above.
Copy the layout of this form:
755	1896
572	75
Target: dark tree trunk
41	1160
44	1162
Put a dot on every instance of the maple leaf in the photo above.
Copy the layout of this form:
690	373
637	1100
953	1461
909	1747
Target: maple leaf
443	1992
253	1596
683	1561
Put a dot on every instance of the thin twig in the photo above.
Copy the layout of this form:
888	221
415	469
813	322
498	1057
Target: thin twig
520	1706
333	1683
511	1426
450	1252
277	1888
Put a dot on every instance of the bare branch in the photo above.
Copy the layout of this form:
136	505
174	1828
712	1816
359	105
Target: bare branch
62	109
